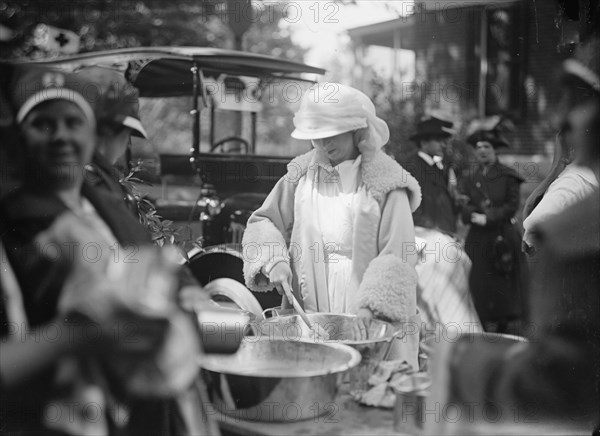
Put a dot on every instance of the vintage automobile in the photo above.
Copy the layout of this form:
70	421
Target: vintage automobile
229	178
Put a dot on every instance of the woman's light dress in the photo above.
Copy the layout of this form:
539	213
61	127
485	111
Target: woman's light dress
336	192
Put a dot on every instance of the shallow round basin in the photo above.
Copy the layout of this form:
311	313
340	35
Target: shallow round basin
277	380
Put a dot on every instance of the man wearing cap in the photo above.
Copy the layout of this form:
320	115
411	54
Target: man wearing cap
437	210
116	103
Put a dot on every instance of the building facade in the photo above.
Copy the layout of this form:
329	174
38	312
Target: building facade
475	59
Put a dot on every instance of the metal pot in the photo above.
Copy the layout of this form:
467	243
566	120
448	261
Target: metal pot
340	327
277	380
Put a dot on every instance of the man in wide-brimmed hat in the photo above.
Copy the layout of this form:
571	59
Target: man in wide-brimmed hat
443	283
437	210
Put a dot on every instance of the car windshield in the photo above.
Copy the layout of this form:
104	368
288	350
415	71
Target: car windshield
170	130
170	125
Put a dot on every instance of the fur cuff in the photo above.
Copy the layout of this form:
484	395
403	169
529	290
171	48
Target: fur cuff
389	288
261	244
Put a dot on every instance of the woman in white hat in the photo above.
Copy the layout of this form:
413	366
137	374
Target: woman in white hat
337	228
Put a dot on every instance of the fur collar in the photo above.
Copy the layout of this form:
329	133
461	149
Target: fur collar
381	174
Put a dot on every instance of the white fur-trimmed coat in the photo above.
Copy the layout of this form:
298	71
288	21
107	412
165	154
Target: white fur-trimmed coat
383	252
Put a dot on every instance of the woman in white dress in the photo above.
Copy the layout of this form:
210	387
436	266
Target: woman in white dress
337	228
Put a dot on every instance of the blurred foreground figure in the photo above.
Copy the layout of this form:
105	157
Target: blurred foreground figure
79	265
566	184
553	378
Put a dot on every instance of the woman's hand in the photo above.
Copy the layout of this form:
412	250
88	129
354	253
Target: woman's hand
361	141
363	321
478	219
281	274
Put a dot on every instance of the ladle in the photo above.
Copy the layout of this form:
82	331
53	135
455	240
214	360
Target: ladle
316	328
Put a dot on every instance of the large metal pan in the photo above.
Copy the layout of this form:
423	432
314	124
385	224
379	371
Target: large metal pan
340	328
277	380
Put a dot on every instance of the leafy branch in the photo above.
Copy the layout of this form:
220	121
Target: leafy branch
162	230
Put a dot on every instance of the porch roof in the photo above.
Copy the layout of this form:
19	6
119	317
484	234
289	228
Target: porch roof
398	33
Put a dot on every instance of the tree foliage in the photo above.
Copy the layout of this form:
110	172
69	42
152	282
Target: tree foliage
111	24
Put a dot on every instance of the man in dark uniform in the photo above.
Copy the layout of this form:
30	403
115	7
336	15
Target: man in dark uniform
437	210
116	106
